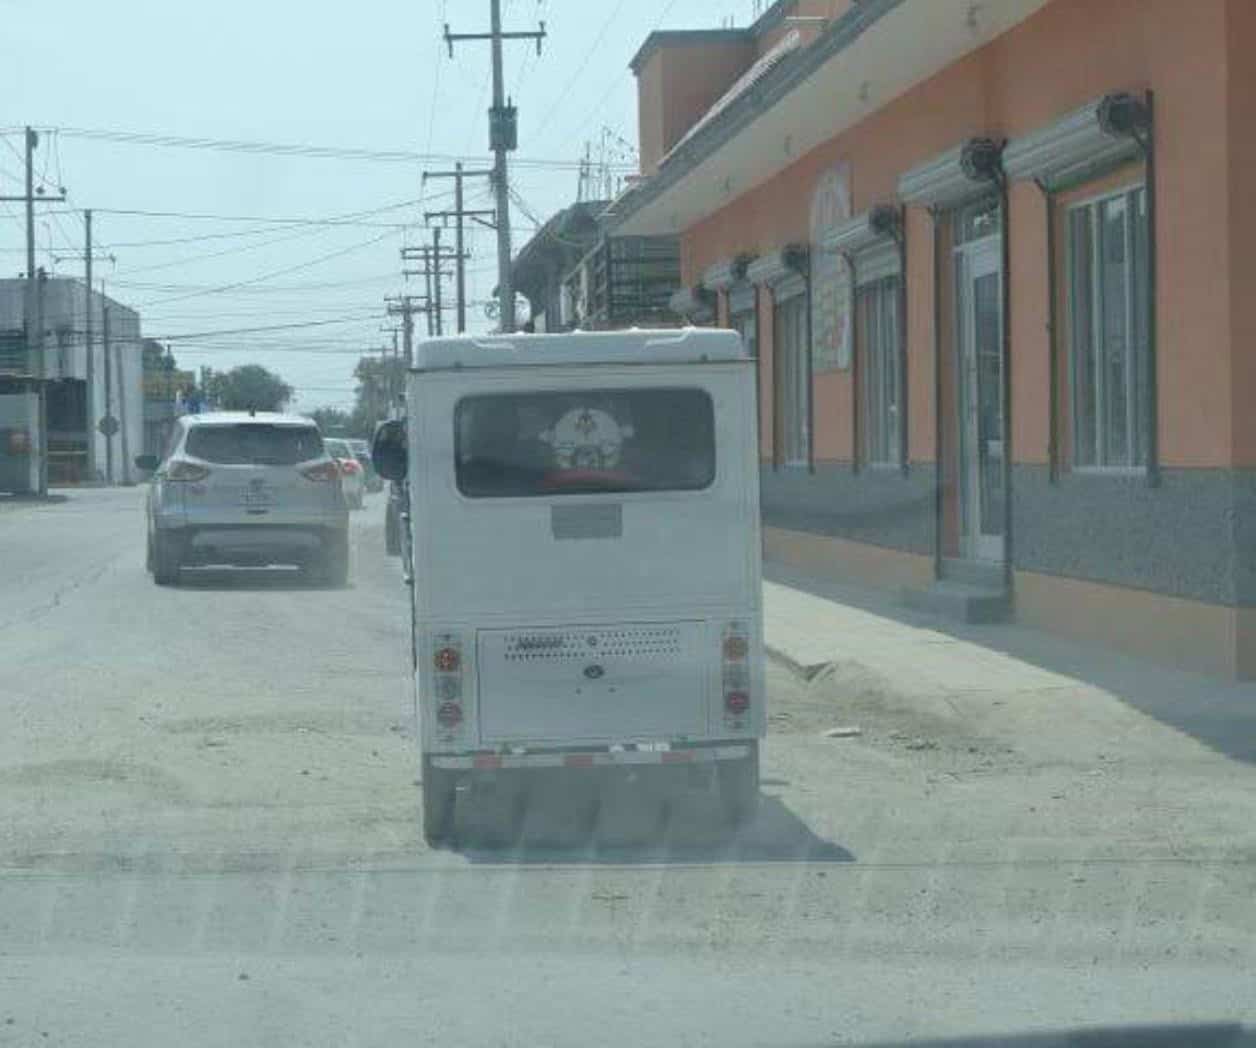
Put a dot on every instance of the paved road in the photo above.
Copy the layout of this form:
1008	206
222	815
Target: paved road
209	835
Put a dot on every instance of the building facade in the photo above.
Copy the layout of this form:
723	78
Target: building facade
85	383
539	269
991	260
576	276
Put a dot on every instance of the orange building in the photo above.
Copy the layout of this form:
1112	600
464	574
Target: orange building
990	258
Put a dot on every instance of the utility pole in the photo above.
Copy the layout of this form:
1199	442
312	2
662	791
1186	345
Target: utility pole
404	307
90	400
427	302
389	359
93	417
34	300
503	137
485	216
119	363
104	338
434	258
440	319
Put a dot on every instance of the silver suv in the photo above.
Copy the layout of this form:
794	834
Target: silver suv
246	489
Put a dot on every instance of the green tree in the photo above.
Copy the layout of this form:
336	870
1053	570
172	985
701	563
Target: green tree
249	387
380	382
335	421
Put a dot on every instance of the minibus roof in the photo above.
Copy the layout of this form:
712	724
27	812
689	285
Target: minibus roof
635	346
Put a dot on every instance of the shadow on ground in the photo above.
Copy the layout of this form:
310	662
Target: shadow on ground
618	825
1168	1035
1219	713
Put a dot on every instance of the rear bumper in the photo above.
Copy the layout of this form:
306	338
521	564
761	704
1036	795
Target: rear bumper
607	758
253	544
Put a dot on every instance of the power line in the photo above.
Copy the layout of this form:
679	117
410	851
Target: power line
304	310
239	249
292	150
257	289
194	349
191	335
431	116
275	273
596	110
590	51
346	219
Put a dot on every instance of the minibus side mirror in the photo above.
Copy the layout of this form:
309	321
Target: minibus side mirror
388	449
148	463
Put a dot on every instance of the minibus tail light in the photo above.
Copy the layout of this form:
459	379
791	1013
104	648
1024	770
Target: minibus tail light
735	674
447	684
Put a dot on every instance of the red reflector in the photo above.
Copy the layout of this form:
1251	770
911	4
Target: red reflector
449	715
487	762
736	648
578	760
737	702
448	660
677	756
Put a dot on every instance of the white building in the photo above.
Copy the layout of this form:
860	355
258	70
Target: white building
79	392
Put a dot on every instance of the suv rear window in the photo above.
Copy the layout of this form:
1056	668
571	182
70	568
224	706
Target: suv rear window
255	444
584	442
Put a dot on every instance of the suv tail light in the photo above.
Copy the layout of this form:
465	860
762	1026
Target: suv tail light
735	666
182	471
323	473
350	466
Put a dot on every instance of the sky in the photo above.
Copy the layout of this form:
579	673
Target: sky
216	251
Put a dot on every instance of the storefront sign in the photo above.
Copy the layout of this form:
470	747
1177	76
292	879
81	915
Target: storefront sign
830	276
162	384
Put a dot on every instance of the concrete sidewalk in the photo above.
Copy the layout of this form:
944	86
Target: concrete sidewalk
809	625
812	626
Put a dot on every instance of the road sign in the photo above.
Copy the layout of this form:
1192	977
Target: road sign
108	426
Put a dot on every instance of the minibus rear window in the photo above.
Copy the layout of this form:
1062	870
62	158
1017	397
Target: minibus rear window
588	442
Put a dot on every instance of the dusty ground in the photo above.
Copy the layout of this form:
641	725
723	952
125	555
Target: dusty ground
220	780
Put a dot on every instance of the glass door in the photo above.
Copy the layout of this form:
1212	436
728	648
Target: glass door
979	268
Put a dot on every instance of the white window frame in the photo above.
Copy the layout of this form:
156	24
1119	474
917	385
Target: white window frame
1135	409
746	323
880	378
793	399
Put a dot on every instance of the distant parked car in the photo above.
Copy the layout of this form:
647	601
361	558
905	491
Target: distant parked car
246	490
353	476
362	450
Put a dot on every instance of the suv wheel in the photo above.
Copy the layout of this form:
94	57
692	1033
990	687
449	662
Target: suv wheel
392	531
333	562
165	556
